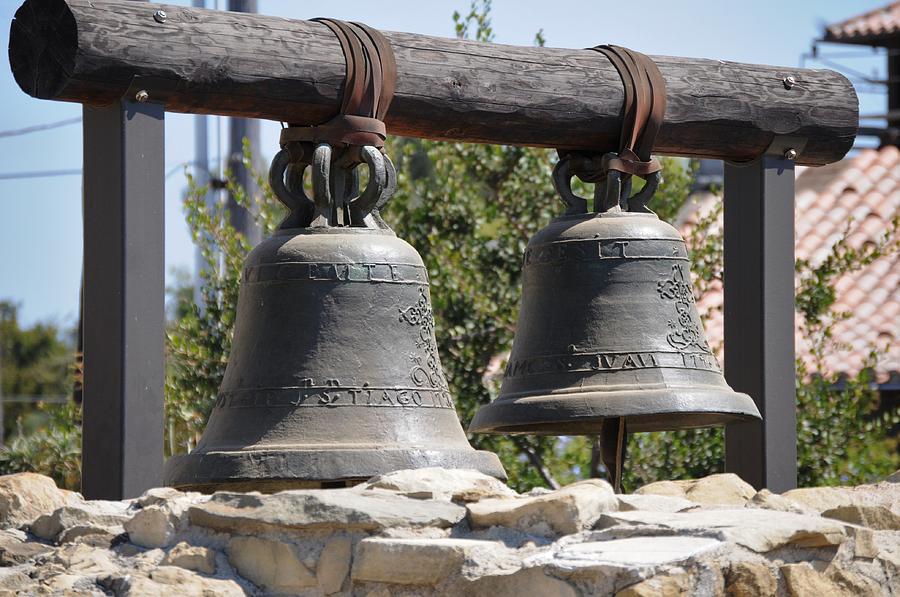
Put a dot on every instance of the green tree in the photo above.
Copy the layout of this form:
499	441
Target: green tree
42	437
199	339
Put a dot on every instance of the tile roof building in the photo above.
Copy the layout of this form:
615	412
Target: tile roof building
872	28
859	195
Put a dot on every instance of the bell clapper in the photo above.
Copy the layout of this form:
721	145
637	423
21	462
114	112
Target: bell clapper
613	442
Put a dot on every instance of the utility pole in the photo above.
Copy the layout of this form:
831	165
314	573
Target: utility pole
241	128
2	438
201	175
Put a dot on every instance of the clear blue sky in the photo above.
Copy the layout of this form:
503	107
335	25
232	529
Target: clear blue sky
40	244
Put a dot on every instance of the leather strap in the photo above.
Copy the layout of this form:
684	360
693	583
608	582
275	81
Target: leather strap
369	82
643	111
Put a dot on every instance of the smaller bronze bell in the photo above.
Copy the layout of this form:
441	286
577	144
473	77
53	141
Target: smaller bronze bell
608	328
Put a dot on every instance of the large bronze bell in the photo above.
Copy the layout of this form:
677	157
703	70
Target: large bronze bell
608	328
334	374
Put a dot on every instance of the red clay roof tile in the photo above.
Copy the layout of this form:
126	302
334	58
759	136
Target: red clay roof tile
866	187
868	28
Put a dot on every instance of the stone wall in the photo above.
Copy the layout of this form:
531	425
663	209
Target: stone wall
443	532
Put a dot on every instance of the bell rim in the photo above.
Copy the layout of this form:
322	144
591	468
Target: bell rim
216	470
575	413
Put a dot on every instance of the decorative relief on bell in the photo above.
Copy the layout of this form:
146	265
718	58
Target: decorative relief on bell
426	368
687	330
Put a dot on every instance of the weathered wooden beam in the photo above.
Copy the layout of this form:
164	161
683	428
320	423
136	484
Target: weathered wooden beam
212	62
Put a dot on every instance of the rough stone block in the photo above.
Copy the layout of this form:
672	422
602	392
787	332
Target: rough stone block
878	518
151	527
637	552
14	551
654	503
802	580
26	496
191	557
772	501
564	511
172	580
750	579
334	564
270	564
85	560
759	530
662	585
458	485
101	515
413	561
313	509
726	489
821	499
527	581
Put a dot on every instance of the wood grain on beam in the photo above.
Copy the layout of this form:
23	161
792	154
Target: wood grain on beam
215	62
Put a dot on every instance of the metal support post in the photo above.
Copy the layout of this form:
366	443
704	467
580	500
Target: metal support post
759	317
124	299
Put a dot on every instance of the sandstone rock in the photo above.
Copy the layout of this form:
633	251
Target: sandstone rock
772	501
159	496
414	561
458	485
637	552
88	533
726	489
172	580
750	579
334	564
100	515
152	526
12	580
802	580
759	530
25	496
653	503
270	564
853	582
14	551
827	498
663	585
864	544
564	511
70	585
85	560
191	557
316	509
879	518
666	488
524	582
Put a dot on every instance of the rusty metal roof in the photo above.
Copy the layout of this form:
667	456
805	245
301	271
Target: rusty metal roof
860	194
872	28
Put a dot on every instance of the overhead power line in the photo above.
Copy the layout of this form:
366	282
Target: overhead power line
77	171
39	174
40	127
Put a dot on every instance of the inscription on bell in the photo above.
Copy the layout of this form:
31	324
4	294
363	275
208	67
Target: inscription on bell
396	273
331	395
609	361
592	250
